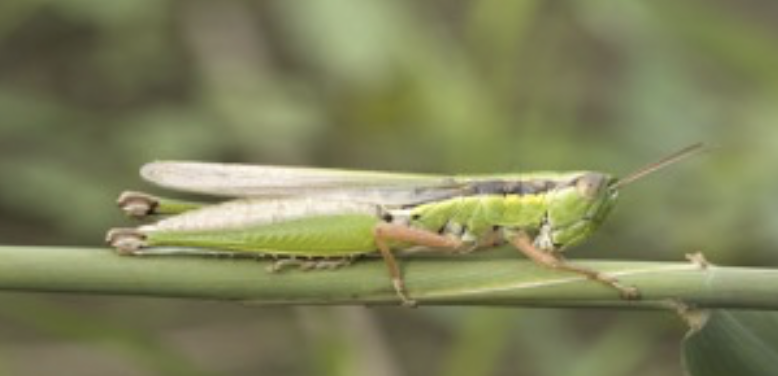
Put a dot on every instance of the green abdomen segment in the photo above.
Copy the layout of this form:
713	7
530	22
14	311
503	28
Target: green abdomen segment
321	236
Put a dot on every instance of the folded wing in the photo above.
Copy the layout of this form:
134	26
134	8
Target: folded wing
236	180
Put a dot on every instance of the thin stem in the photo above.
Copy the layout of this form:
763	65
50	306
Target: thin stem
495	280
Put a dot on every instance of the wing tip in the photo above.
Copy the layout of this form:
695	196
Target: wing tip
170	173
152	171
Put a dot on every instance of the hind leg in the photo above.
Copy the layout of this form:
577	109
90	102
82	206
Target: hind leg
140	205
328	237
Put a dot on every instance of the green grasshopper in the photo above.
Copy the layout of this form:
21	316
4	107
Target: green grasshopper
321	218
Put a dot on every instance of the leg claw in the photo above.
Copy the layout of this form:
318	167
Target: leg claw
399	288
629	292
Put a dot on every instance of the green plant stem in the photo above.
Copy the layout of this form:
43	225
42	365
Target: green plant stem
496	280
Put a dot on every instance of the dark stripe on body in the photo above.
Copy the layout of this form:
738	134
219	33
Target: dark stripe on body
501	187
496	187
508	187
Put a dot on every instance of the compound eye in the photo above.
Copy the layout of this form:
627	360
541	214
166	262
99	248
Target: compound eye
588	185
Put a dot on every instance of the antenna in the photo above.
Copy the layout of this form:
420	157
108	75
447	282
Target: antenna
660	164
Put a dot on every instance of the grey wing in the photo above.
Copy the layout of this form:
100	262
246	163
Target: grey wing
236	180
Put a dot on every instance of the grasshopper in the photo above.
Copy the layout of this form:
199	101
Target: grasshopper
325	218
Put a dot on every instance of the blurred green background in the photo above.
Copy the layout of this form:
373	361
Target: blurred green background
90	90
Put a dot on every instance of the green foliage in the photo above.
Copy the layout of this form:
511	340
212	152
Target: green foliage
733	343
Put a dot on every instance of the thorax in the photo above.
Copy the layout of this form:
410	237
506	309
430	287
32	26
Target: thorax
476	220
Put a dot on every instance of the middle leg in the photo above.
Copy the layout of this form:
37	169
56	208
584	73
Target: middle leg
385	232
